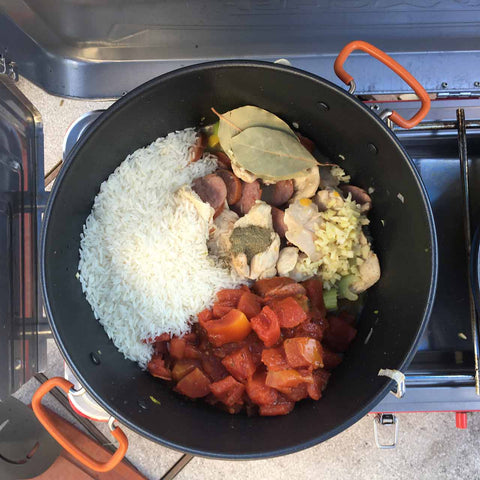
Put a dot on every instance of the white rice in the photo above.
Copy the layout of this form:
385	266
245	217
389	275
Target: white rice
144	265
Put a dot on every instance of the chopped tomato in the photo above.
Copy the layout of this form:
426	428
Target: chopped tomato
303	352
220	310
192	352
309	329
266	326
230	296
275	359
226	349
282	379
204	316
331	359
256	346
177	347
289	312
281	407
232	327
339	334
295	394
258	392
314	288
240	364
164	337
182	367
228	391
213	367
268	286
249	304
303	301
156	367
194	385
320	380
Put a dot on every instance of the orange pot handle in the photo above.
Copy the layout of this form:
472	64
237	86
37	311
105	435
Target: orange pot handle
85	459
396	67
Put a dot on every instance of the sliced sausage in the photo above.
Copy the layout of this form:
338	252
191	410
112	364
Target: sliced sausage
211	189
250	194
223	160
359	195
233	184
278	221
306	142
196	151
278	194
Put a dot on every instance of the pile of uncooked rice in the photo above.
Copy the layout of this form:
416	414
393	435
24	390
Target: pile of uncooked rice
144	265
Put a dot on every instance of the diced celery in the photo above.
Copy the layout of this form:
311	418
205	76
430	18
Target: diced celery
330	299
344	288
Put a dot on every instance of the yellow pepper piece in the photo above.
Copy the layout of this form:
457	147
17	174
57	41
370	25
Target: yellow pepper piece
305	202
213	140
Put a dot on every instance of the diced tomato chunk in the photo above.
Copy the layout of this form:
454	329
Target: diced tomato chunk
320	380
289	312
314	288
233	327
266	326
282	379
331	359
191	351
177	347
213	367
194	385
182	367
303	352
204	316
230	296
249	304
219	310
339	334
164	337
240	364
258	392
295	394
304	302
271	286
310	329
275	359
156	367
281	407
228	391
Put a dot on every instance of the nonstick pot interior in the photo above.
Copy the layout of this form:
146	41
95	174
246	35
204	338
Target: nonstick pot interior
396	309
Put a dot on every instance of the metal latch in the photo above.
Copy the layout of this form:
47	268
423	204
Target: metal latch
387	421
8	68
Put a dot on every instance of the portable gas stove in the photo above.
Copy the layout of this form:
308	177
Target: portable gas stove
443	375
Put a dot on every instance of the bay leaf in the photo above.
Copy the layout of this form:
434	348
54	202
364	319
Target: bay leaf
239	119
270	154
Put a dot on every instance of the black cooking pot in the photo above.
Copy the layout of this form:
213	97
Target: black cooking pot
396	309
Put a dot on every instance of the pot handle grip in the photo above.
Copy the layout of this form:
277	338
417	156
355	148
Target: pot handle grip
85	459
396	67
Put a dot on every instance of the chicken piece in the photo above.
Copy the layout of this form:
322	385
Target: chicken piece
240	264
328	198
204	209
369	274
243	174
287	259
301	217
219	242
263	264
260	214
306	186
299	272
